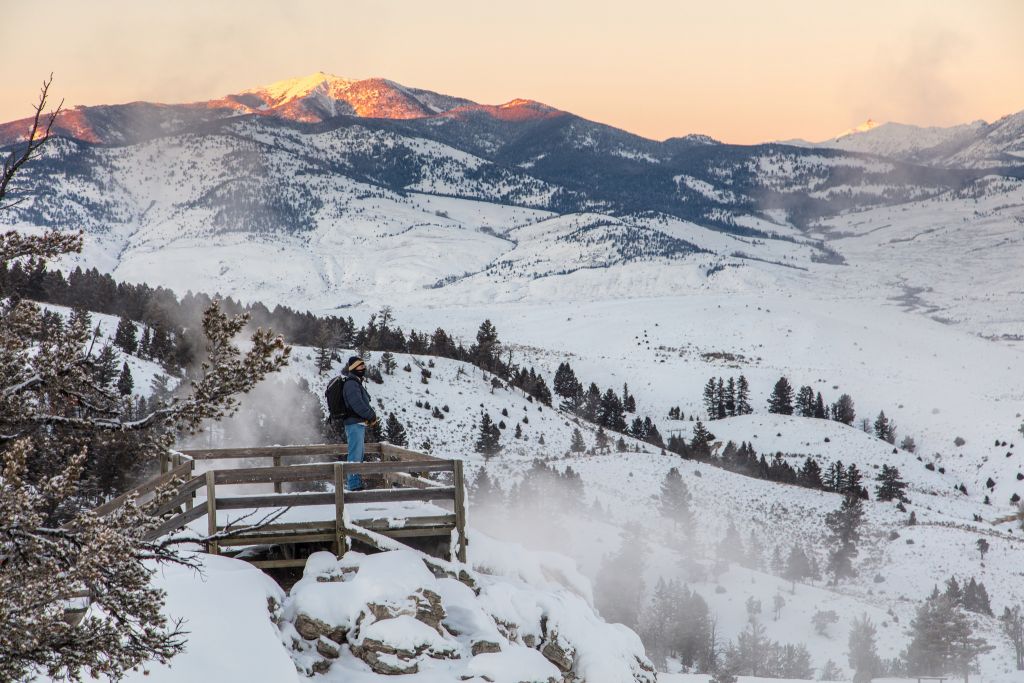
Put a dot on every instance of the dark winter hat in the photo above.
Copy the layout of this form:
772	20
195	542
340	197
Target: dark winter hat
355	363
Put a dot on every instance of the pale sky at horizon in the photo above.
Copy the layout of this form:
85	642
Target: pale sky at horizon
739	71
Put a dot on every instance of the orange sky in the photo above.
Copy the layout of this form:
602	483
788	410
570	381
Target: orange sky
740	71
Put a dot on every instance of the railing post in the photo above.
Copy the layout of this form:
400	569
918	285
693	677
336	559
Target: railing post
339	508
192	496
277	463
211	511
164	464
460	508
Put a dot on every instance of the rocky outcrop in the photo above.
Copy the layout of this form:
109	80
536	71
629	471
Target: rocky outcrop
399	614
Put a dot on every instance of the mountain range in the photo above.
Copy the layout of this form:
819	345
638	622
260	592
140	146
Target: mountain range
970	145
334	192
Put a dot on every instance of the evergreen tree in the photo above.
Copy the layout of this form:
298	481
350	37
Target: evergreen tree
731	546
853	482
657	622
160	347
798	566
711	399
730	397
567	386
810	474
483	490
620	445
674	500
820	411
125	383
862	652
610	414
720	408
843	535
982	547
488	441
743	397
843	410
601	439
805	402
388	363
908	444
651	433
519	431
781	400
577	445
619	584
64	433
700	443
975	598
628	400
125	337
751	652
145	343
836	480
486	353
105	367
591	405
890	485
885	429
942	640
394	432
324	355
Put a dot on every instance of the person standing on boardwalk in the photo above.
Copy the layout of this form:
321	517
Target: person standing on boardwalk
351	406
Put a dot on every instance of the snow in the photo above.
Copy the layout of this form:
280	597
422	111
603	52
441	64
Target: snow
518	665
403	632
225	613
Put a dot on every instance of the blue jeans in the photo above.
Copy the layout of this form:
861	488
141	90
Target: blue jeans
355	433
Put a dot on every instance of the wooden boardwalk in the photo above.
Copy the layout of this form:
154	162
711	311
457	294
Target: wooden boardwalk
399	502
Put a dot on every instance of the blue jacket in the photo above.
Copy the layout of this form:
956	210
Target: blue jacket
357	400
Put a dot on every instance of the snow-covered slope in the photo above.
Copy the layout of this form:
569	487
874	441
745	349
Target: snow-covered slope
369	618
903	141
968	145
897	566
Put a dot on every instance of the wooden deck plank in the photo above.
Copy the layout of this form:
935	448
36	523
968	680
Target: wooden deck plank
182	471
277	564
389	495
267	539
398	466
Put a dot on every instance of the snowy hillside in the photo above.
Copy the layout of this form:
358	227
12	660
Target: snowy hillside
968	145
902	141
898	564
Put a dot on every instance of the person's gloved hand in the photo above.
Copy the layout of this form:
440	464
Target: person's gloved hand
373	423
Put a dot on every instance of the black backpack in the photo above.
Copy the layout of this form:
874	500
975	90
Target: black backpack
335	394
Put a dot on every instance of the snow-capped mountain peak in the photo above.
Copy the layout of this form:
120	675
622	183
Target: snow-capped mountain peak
870	124
287	90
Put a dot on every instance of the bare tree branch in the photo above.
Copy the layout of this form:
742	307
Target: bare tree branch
39	134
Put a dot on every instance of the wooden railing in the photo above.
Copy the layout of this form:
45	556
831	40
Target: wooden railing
402	480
